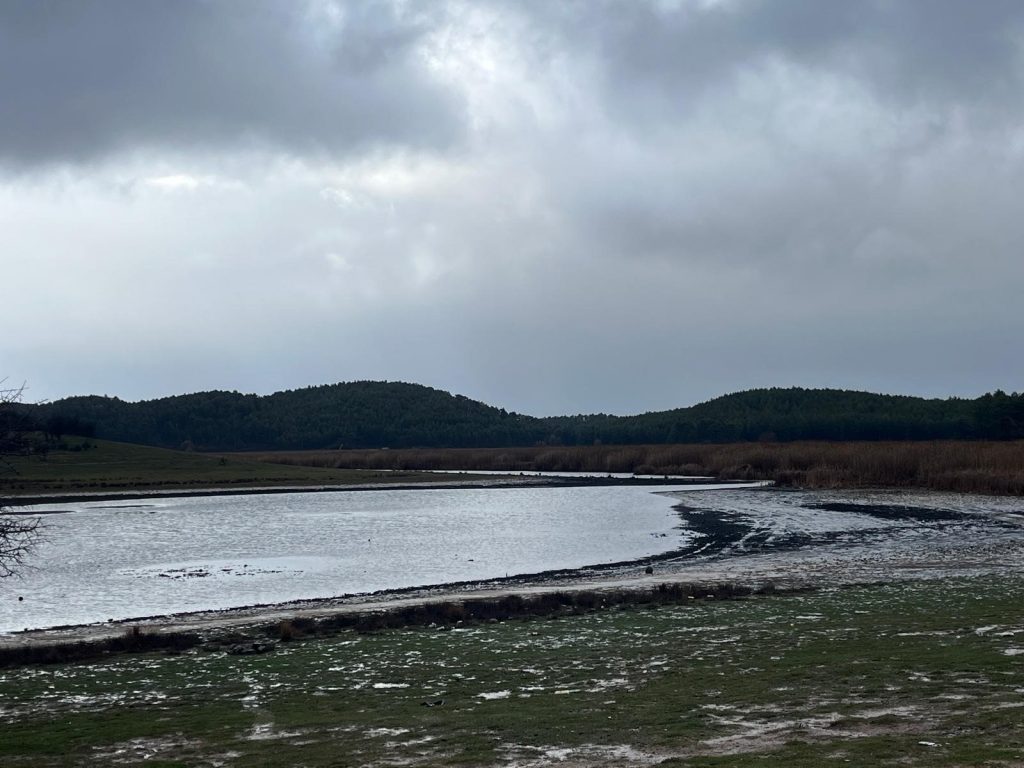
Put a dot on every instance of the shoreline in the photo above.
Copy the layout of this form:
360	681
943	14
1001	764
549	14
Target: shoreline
620	575
623	577
585	577
710	561
125	494
756	574
784	570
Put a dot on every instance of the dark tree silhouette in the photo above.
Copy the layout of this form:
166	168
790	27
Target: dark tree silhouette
18	533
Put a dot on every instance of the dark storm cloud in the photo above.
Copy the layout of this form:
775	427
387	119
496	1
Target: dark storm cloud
84	79
80	80
907	51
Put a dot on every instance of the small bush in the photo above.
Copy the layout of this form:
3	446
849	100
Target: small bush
133	640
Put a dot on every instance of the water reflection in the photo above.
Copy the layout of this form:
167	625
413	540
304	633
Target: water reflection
109	560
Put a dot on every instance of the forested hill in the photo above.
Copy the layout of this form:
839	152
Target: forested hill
356	414
391	414
807	414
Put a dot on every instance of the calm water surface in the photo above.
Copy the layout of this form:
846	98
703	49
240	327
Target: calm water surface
120	560
130	559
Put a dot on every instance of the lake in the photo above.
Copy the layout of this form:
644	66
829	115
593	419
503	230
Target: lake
113	560
145	557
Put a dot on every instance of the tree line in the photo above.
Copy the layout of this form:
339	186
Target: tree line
367	414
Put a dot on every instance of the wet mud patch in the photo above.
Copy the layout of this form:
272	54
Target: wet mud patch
184	573
722	534
715	530
124	506
209	570
895	512
847	535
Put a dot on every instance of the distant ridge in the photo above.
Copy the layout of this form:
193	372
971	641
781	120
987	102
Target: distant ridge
375	414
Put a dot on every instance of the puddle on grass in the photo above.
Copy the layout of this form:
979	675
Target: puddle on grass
522	756
376	733
134	751
493	695
874	714
598	686
266	732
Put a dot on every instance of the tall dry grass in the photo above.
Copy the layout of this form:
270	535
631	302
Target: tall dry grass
979	467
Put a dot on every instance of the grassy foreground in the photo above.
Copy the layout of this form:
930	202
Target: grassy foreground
101	465
994	467
923	673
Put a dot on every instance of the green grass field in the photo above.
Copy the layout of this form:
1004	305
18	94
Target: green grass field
918	674
108	466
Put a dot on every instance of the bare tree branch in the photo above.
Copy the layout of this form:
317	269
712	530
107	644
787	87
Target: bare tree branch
18	534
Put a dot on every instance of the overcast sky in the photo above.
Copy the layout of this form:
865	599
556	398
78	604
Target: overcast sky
552	207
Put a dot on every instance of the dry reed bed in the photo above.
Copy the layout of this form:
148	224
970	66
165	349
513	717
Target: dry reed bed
967	466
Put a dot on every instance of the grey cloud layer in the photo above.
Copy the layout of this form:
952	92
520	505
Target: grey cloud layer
81	79
551	206
944	50
85	80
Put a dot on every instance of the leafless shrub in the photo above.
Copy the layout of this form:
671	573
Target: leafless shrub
18	534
